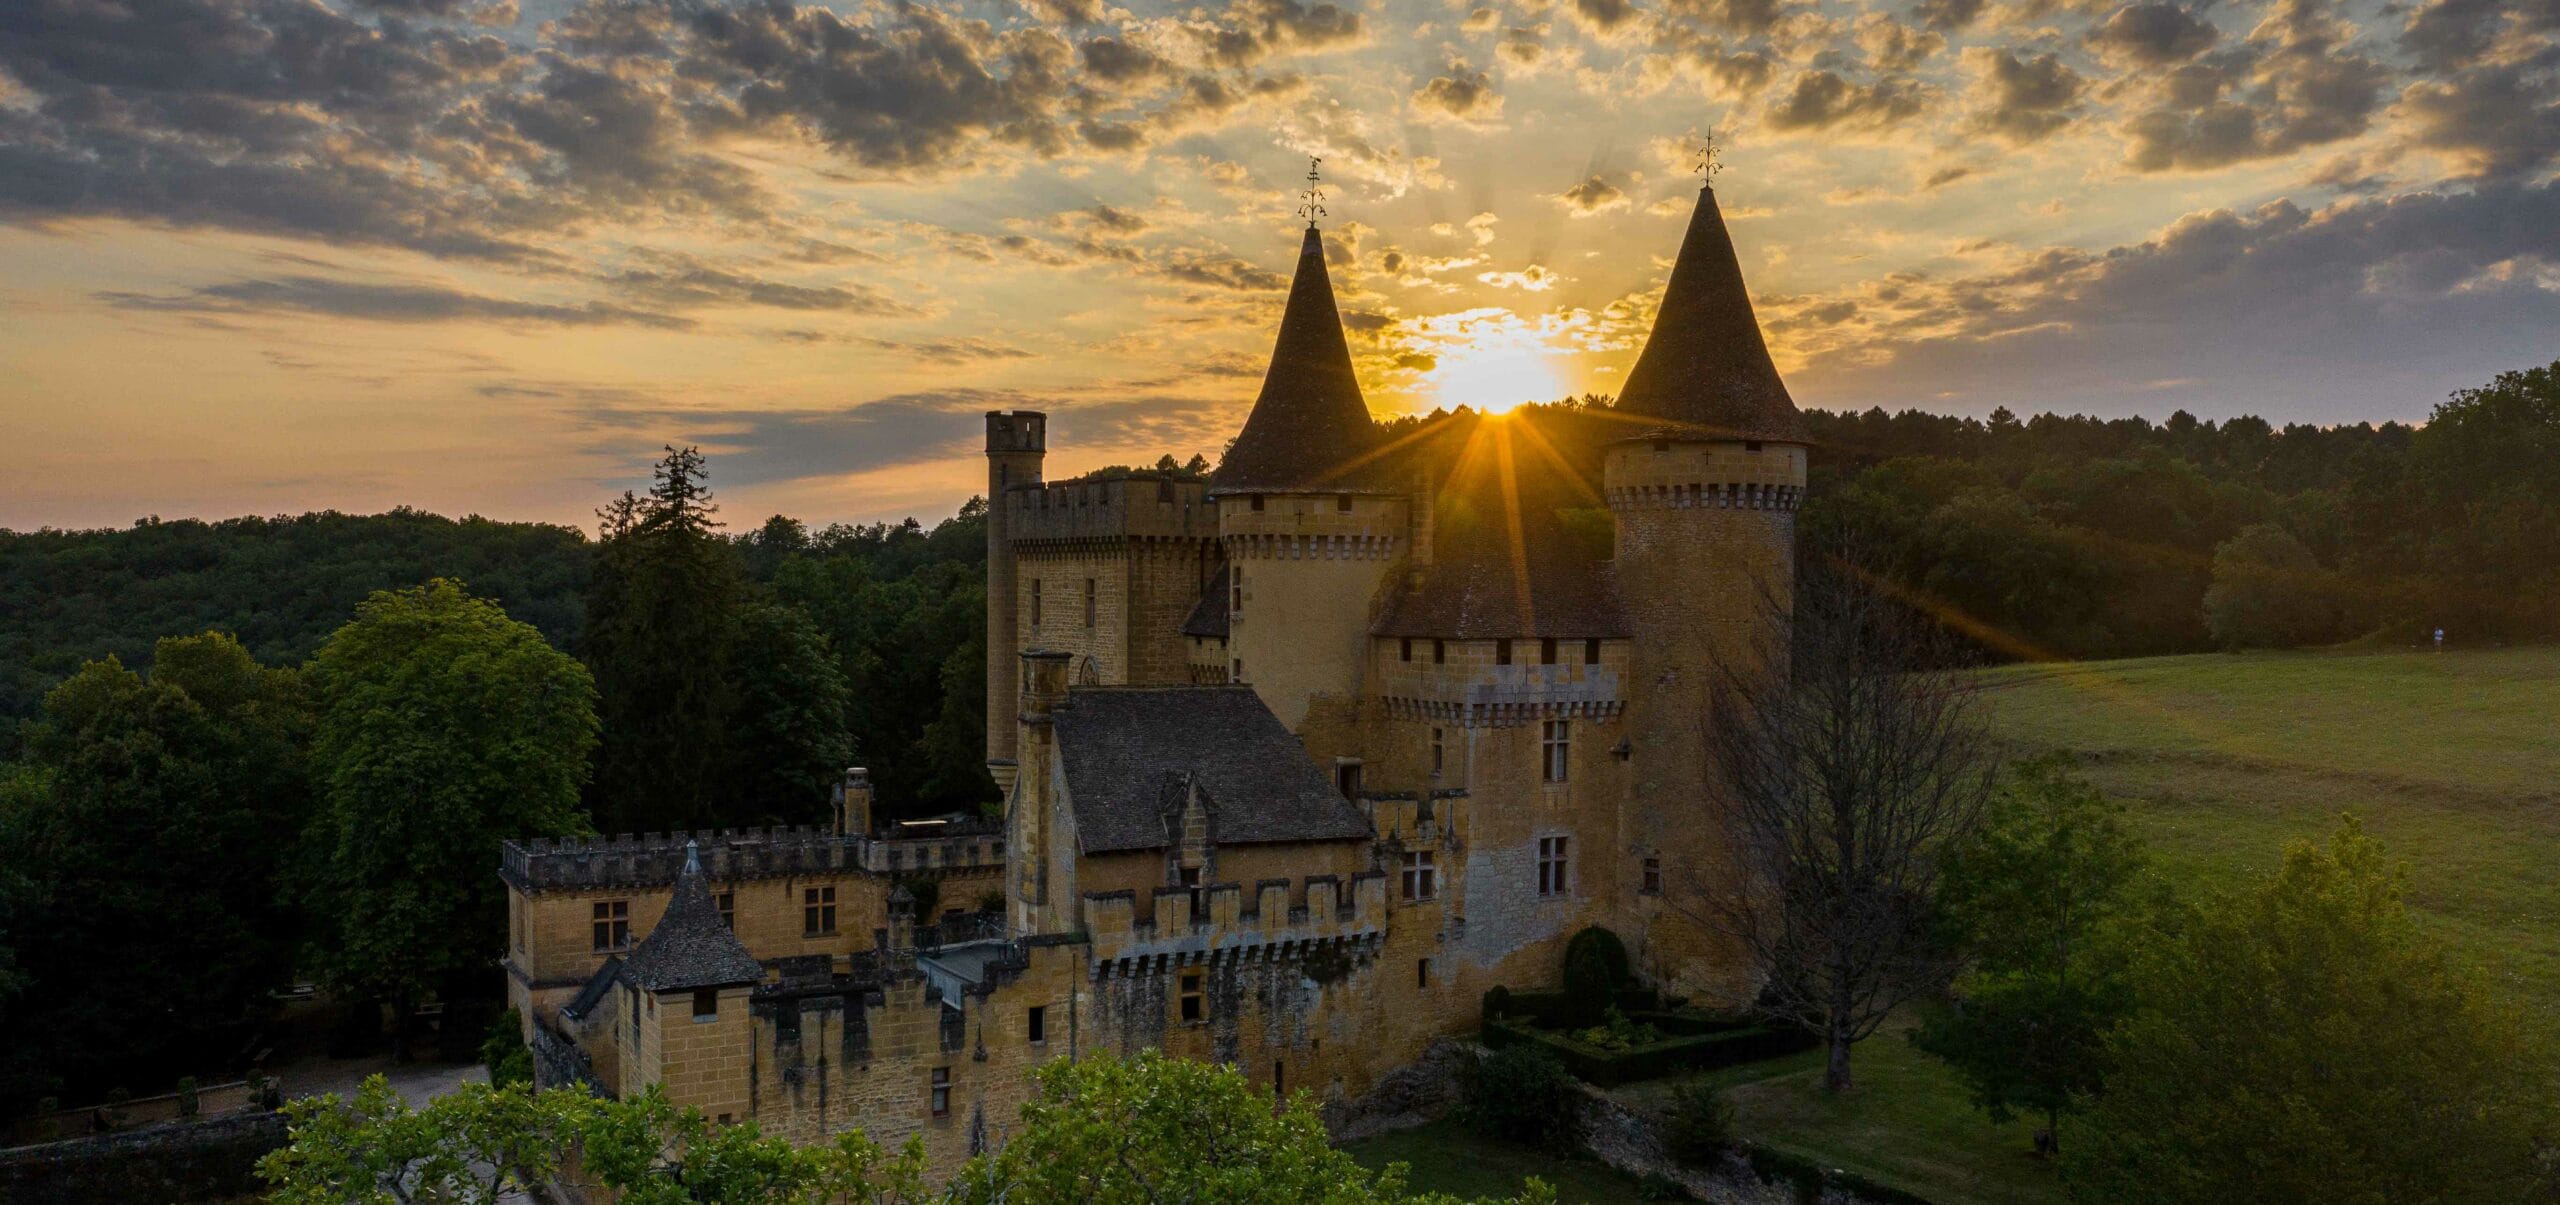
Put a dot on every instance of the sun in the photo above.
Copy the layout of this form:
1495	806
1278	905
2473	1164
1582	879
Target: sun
1494	378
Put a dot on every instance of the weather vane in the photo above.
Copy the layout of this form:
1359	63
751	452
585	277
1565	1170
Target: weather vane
1311	201
1704	163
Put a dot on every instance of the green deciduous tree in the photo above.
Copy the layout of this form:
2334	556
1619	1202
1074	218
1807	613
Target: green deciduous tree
444	727
2303	1040
2032	900
148	825
2268	592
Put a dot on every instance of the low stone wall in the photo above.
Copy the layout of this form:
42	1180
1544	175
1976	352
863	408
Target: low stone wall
213	1159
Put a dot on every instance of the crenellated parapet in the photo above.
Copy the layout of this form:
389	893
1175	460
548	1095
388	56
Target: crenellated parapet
1144	506
1707	495
1233	921
730	855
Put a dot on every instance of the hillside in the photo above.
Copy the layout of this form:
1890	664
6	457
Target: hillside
2452	760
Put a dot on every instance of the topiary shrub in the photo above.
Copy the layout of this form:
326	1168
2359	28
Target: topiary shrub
1699	1128
1497	1002
1595	967
1522	1094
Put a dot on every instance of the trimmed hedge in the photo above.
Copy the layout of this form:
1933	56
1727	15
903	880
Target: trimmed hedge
1721	1047
1550	1009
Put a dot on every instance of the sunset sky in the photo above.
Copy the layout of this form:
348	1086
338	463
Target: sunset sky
262	256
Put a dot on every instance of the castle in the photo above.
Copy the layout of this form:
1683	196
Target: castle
1295	768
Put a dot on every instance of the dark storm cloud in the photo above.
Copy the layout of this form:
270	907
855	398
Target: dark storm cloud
2422	292
383	303
1822	100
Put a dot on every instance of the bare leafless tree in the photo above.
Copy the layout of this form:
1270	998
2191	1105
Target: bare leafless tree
1851	757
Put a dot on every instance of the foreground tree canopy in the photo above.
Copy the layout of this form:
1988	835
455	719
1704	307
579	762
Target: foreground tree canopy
2305	1041
1151	1129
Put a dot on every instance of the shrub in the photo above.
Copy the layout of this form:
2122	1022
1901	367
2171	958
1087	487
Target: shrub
1497	1002
1700	1127
1595	964
1522	1094
509	1060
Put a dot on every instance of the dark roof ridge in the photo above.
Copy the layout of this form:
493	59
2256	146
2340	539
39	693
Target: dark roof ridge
1705	371
1310	428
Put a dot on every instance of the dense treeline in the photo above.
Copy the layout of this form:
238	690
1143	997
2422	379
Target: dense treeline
279	585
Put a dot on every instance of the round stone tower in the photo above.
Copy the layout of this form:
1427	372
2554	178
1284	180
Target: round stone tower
1310	524
1704	491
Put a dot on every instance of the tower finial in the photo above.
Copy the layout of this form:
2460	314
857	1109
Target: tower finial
1704	162
692	858
1311	200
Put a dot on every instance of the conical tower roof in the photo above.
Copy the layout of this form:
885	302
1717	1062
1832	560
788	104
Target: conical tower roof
691	948
1705	372
1310	429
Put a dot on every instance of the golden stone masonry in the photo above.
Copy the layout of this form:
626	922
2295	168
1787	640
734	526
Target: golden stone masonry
1295	768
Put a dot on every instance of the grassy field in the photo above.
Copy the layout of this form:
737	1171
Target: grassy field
2451	760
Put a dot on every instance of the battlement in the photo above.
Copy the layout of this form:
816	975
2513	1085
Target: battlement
1273	912
1139	506
1724	475
728	855
1017	431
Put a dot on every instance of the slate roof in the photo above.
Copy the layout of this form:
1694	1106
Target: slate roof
1209	615
690	948
1705	370
1132	753
593	993
1493	596
1310	428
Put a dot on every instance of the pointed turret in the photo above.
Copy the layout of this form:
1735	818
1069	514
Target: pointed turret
1310	429
691	947
1705	372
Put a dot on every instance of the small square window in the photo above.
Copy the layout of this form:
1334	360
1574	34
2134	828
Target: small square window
612	925
1591	652
1035	1024
1547	651
818	911
1502	652
729	910
1342	503
1257	502
1750	445
1439	652
706	1003
1346	778
1421	875
941	1084
1404	649
1195	999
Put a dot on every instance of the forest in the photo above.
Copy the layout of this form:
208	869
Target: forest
192	714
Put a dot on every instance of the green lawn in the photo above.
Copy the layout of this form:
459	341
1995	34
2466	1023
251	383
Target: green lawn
1447	1157
2451	760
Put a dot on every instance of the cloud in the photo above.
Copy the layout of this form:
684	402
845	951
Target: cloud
1461	95
1893	47
2422	292
2299	81
1593	197
2495	121
2152	35
2022	100
1536	278
1821	100
383	303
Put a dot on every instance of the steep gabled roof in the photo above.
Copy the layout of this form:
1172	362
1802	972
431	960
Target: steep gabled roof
1134	754
1705	371
690	948
1209	615
1310	428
